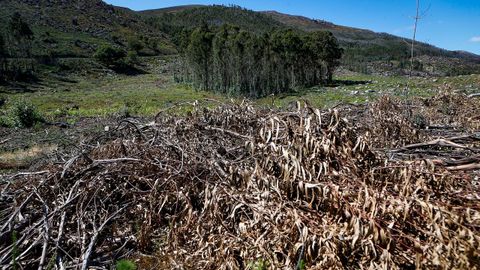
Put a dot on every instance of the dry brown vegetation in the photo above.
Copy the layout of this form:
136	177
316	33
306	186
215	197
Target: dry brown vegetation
230	187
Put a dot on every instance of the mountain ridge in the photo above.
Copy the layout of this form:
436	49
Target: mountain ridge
332	26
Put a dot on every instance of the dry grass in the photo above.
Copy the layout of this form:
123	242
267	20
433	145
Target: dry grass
229	187
22	158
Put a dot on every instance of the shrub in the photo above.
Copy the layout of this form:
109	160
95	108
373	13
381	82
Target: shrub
6	121
125	111
134	44
21	114
6	118
26	114
110	56
419	121
132	58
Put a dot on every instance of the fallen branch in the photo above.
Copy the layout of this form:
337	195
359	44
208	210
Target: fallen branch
229	132
438	142
93	240
474	95
45	233
105	161
14	214
463	161
466	167
464	164
28	174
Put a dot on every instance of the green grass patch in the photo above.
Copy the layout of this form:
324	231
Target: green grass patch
105	94
361	89
141	95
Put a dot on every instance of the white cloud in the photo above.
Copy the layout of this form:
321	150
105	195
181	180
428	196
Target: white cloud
475	39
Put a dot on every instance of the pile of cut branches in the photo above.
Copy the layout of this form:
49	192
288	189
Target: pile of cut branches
237	187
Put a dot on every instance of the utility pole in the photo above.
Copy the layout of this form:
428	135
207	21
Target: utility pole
412	55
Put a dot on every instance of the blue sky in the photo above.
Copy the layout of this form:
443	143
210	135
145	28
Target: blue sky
449	24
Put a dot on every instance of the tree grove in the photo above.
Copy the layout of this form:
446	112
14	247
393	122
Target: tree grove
233	61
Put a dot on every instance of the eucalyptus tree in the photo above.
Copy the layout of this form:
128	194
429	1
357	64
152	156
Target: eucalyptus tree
331	53
3	54
292	46
21	36
233	61
199	52
224	60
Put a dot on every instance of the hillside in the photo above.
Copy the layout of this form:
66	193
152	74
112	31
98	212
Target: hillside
68	28
174	18
362	36
75	28
365	50
369	45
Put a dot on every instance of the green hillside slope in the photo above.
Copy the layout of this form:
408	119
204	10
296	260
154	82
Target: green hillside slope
367	45
193	16
76	28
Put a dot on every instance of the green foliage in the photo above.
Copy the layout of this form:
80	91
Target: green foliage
27	114
110	56
21	35
199	54
234	61
417	65
19	28
361	47
21	114
15	252
419	121
6	120
6	116
260	264
16	44
301	265
2	47
326	48
216	15
132	58
134	44
126	111
3	54
77	29
125	265
51	263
